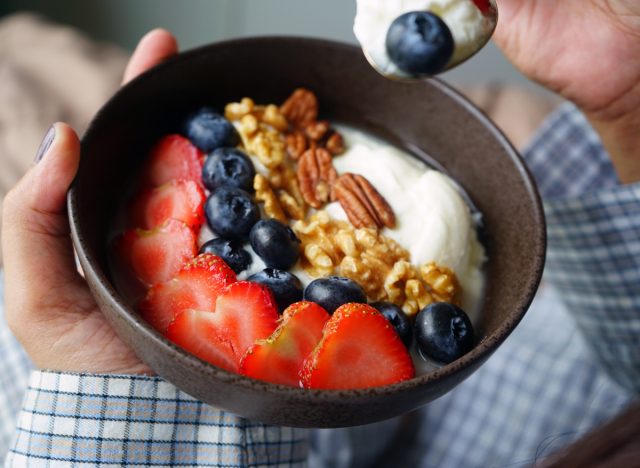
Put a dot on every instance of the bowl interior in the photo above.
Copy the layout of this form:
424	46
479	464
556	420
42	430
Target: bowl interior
425	118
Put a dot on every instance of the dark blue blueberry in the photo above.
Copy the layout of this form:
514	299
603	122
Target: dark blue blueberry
286	288
228	166
333	291
208	130
231	213
230	251
444	332
275	243
419	43
398	319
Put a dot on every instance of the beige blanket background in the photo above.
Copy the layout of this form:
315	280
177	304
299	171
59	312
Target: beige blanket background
50	73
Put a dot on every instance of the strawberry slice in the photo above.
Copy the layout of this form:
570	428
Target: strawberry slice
173	158
484	6
157	255
279	358
245	312
359	349
197	332
179	199
197	286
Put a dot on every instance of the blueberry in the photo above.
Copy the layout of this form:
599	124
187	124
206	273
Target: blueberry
333	291
419	43
231	213
228	166
444	332
209	130
286	288
398	319
230	251
275	243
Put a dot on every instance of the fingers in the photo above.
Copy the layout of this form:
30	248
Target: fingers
155	47
38	255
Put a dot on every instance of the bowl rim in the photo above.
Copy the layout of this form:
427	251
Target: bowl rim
481	351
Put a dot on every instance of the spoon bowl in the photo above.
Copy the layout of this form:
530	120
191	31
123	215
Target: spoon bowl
463	50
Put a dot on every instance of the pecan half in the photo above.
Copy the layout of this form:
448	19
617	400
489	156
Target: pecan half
301	109
335	144
317	130
362	203
316	176
296	144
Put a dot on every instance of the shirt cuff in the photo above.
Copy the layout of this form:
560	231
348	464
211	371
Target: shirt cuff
117	420
594	261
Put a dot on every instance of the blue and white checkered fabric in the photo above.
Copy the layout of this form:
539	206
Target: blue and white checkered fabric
573	363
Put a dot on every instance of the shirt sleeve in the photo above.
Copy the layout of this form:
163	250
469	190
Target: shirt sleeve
593	225
90	420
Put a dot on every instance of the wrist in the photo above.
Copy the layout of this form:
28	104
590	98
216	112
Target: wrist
618	125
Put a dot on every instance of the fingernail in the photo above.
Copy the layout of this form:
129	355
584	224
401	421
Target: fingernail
46	144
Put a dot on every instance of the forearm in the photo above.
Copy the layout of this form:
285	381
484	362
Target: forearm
137	420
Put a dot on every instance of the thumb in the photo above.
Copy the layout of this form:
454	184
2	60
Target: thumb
37	250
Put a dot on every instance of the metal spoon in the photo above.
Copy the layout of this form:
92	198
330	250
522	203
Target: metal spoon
461	54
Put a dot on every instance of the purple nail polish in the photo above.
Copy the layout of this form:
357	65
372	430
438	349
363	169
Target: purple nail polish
46	144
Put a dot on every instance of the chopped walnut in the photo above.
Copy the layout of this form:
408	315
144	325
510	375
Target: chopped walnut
417	297
261	130
285	181
290	205
401	271
405	289
267	146
442	282
363	255
273	117
249	124
379	264
266	195
237	110
320	255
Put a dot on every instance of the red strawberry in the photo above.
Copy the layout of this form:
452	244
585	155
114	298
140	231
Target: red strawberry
279	358
245	312
179	199
483	5
157	255
197	332
173	158
359	349
197	286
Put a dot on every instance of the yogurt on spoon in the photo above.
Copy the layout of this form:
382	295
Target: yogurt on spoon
411	39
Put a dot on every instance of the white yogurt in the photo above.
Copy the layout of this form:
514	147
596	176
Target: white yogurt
468	26
433	222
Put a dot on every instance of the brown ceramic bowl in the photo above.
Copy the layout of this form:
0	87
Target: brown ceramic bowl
426	118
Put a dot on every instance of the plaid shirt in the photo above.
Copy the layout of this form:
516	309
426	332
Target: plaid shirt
572	363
